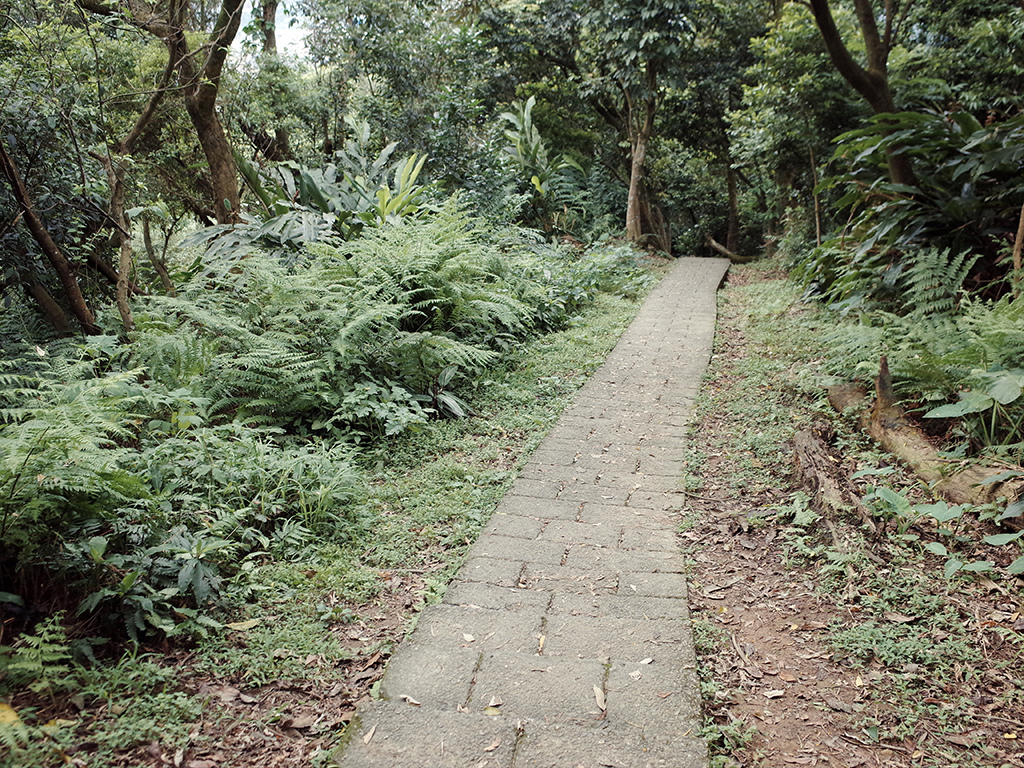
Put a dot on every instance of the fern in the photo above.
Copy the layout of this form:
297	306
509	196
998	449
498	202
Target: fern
932	280
40	659
932	356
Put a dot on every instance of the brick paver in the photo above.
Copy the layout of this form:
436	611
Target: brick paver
565	640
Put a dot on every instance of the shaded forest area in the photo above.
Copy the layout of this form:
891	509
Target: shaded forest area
246	289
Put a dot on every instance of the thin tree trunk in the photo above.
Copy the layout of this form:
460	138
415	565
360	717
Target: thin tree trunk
817	198
634	228
122	233
279	149
157	261
732	235
641	134
56	257
1018	246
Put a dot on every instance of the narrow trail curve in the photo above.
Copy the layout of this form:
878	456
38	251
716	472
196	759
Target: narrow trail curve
565	640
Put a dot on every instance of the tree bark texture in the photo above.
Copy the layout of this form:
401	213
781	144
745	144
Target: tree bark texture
640	134
53	311
122	233
733	257
821	471
201	87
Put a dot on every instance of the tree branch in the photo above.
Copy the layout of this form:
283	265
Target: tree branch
53	253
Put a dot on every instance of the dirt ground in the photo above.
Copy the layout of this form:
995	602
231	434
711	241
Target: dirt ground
778	687
776	676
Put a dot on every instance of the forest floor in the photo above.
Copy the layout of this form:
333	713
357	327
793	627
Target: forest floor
814	656
820	646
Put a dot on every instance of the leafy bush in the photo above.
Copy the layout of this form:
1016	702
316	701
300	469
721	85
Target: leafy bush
303	205
966	200
62	462
352	340
134	506
972	357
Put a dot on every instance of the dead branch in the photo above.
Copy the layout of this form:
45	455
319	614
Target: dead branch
735	258
821	472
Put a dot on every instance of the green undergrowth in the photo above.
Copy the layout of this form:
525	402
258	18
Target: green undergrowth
761	380
429	495
423	497
924	609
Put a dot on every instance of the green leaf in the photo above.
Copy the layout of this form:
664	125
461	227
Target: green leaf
941	511
1016	509
1000	477
981	566
952	566
128	582
1005	389
896	500
1000	539
97	547
936	548
1017	566
971	401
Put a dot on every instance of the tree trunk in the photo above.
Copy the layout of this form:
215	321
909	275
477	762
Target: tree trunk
47	304
820	470
634	226
122	231
1018	246
871	82
279	149
652	222
220	161
157	261
732	236
56	257
199	84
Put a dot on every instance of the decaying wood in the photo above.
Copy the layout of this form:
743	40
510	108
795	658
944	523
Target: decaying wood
886	423
822	473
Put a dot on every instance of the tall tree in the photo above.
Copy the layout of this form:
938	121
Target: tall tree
620	58
199	77
794	103
276	146
631	52
870	80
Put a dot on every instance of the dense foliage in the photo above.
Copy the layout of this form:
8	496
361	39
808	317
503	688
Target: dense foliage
233	272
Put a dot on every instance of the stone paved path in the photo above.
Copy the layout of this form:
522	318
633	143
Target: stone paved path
565	640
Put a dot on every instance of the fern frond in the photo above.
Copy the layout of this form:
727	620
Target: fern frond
932	280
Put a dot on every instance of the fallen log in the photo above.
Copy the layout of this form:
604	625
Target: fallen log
735	258
821	472
885	421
